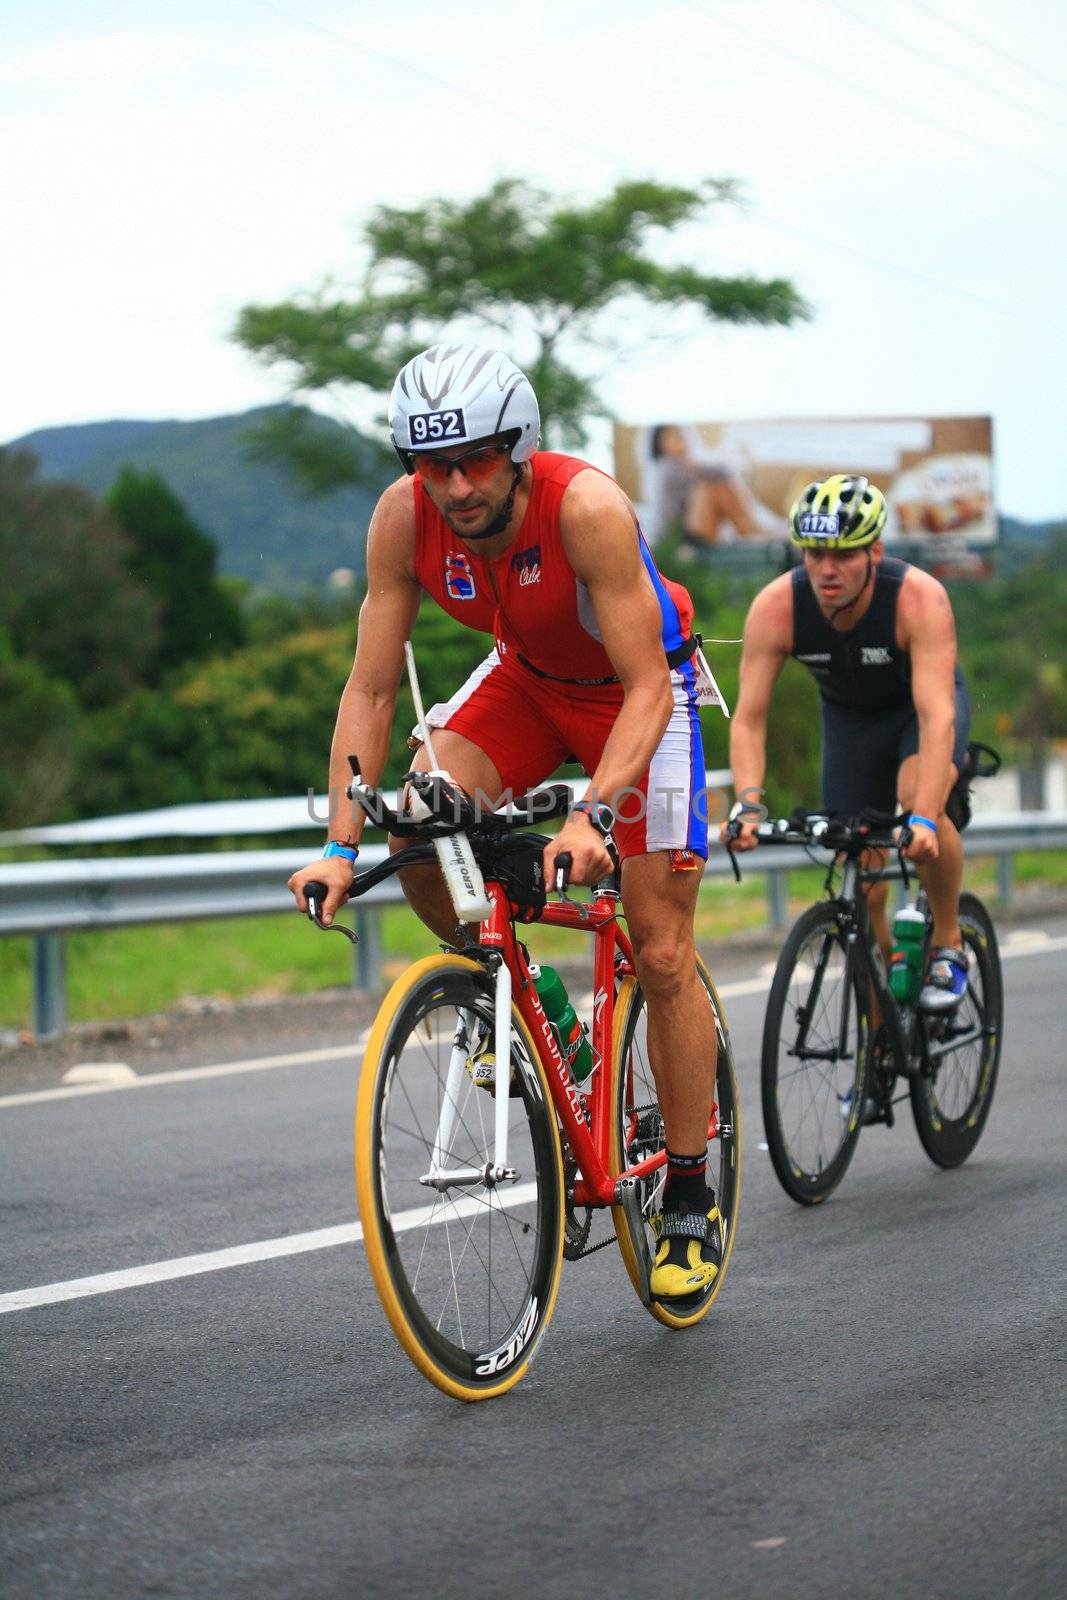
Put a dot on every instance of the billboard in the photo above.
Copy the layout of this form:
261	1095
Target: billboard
734	482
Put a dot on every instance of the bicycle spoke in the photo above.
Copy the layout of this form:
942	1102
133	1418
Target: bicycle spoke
951	1100
471	1270
811	1058
640	1123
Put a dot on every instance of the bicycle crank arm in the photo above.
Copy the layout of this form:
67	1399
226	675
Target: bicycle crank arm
468	1177
819	1055
934	1052
627	1195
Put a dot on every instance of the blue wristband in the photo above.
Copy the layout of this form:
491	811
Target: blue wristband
335	848
924	821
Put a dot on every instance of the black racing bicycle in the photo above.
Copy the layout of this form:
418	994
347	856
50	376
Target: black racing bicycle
840	1051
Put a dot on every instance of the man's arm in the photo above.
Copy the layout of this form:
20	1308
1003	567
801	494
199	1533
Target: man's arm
768	639
926	628
599	534
368	700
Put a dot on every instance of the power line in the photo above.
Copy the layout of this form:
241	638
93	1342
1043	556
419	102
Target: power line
568	137
987	44
897	269
943	64
363	50
868	93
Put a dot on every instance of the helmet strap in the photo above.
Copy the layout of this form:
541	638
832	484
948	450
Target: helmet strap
503	516
856	598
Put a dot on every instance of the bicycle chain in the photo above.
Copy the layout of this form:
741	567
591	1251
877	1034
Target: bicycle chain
591	1249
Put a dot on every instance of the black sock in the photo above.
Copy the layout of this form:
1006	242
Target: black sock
687	1182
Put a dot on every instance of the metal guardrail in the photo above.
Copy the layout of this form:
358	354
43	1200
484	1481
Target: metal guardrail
49	899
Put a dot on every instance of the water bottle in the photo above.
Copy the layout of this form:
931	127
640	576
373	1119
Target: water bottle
570	1035
906	956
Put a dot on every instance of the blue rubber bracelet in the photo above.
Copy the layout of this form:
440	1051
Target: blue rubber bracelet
334	848
925	821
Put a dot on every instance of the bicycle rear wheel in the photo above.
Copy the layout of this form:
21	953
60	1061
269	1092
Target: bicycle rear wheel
814	1060
467	1272
951	1097
638	1132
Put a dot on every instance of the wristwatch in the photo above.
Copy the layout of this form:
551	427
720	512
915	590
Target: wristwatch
601	816
745	808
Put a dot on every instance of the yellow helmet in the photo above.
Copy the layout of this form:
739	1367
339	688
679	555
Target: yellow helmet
841	513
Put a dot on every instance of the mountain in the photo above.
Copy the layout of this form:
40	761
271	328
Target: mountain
264	527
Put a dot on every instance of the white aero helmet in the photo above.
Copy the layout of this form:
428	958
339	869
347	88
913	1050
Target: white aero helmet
457	394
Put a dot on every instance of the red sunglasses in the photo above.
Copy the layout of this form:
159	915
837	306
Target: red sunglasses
477	466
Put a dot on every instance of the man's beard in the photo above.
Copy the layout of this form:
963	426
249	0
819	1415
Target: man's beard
498	520
470	533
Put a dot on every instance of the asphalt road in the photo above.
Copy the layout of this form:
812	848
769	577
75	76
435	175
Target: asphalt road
874	1406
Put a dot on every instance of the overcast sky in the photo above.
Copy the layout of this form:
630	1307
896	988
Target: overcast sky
904	162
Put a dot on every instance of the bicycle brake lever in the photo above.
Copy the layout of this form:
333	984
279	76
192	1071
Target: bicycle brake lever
315	893
564	863
902	844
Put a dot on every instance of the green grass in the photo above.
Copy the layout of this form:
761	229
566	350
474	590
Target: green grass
126	972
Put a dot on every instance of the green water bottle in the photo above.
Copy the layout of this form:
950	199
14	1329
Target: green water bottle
906	956
570	1035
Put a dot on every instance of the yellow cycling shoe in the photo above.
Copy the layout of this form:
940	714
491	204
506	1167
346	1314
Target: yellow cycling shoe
481	1064
687	1252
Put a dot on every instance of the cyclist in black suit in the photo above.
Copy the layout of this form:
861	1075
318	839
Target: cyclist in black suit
878	636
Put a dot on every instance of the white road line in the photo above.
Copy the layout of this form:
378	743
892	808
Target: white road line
1032	947
299	1058
241	1255
224	1069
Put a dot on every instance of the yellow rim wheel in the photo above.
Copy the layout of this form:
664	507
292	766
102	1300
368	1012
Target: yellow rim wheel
638	1132
467	1268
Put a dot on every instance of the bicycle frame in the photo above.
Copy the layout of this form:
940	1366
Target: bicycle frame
585	1119
864	947
914	1051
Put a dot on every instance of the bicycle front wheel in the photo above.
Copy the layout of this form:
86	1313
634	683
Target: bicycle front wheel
467	1267
638	1133
814	1058
951	1097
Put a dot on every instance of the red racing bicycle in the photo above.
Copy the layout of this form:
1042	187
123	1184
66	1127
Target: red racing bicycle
470	1197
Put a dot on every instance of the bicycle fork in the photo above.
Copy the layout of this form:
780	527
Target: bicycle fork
440	1176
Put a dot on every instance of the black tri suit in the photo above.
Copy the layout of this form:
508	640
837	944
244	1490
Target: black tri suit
869	722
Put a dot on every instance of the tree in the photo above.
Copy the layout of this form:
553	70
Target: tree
534	273
175	562
38	741
67	599
256	721
1013	640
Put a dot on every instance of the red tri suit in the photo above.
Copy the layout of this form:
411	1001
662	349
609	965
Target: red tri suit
547	691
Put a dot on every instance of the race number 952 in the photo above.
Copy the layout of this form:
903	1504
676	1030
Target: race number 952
433	427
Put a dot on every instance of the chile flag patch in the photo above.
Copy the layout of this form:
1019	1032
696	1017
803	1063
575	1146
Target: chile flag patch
459	579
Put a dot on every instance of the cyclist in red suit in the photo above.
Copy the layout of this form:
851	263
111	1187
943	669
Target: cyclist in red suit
593	656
